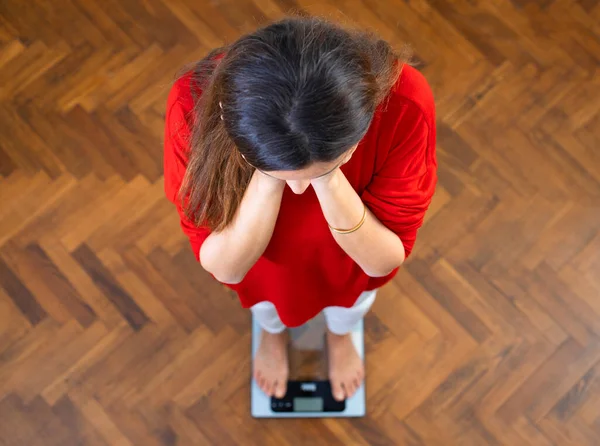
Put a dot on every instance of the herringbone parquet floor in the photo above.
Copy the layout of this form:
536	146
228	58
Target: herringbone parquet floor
111	334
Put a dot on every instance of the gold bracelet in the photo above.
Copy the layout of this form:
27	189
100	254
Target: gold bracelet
355	228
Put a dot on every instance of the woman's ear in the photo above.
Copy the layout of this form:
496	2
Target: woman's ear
349	154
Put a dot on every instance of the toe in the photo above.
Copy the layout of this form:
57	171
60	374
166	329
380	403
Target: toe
360	376
337	390
270	386
263	385
280	388
350	388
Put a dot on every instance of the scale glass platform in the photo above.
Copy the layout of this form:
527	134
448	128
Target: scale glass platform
308	391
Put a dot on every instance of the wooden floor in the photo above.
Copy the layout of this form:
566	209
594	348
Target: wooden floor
111	334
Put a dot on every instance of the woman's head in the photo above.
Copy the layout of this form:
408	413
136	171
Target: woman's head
292	99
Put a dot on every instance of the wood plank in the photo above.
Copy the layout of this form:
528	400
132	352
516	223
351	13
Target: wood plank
112	334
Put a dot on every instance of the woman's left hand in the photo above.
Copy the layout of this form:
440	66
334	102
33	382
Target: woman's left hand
375	248
332	179
329	181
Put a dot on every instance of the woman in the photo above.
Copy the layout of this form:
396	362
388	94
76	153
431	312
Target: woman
302	160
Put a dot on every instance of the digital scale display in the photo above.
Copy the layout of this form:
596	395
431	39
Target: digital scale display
307	396
308	404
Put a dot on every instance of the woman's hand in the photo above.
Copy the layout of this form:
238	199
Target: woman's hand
331	180
268	184
375	248
341	206
334	178
229	254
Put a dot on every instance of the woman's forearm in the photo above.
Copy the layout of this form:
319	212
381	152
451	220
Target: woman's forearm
376	249
230	254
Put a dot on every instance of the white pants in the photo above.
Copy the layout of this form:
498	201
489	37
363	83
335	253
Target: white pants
340	320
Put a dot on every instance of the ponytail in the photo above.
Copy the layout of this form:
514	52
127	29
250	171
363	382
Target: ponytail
216	176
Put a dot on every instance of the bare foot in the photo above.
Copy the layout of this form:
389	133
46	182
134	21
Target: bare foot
346	369
271	363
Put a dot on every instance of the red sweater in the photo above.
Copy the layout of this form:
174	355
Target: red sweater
303	269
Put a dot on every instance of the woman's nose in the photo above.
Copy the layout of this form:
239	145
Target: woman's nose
298	187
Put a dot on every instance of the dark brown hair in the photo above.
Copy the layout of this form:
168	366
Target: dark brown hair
298	91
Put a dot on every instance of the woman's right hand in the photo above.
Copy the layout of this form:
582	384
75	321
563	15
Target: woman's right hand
268	184
248	235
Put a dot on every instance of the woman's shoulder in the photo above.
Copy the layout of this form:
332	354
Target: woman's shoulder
180	95
406	122
186	89
413	91
179	114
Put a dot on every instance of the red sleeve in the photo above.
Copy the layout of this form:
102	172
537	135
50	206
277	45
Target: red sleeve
176	149
401	190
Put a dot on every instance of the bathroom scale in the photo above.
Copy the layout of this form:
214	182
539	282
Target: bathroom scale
308	390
